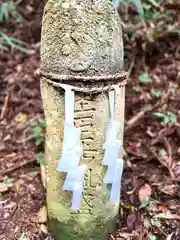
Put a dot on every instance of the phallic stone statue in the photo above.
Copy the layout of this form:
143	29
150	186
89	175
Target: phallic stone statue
82	87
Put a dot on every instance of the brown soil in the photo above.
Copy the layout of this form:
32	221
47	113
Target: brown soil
152	148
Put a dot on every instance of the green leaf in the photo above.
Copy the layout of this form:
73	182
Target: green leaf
39	141
147	6
40	158
5	181
156	94
162	153
33	123
14	40
172	117
145	78
154	3
5	10
145	203
13	43
137	88
38	130
166	119
155	222
152	236
34	135
172	91
159	114
43	123
125	236
24	236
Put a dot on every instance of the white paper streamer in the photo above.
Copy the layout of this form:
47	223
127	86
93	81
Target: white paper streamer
111	154
69	104
74	182
111	132
72	152
72	149
116	3
112	147
116	185
111	103
70	160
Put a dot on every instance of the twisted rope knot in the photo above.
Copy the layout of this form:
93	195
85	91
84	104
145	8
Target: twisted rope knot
86	84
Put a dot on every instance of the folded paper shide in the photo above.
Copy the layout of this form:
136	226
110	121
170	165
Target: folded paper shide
72	152
112	147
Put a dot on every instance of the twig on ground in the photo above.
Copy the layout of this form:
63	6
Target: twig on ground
137	117
23	164
5	106
169	150
4	201
163	133
168	216
112	237
131	65
164	164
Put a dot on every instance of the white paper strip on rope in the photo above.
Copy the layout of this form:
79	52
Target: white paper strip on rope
111	153
69	104
70	160
72	149
116	184
112	131
72	152
74	182
116	3
72	136
112	147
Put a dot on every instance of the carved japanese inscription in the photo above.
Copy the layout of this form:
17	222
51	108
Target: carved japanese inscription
86	114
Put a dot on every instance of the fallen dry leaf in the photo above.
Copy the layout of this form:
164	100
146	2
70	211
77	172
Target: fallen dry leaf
1	178
42	215
168	216
20	118
3	188
169	237
177	171
43	228
43	175
168	189
131	219
17	187
11	205
144	192
2	146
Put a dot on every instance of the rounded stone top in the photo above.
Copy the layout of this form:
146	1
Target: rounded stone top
81	38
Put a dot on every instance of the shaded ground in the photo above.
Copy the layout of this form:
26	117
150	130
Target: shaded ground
152	147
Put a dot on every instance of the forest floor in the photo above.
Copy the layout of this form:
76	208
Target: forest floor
150	196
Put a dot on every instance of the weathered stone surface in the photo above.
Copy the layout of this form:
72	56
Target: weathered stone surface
83	37
96	216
